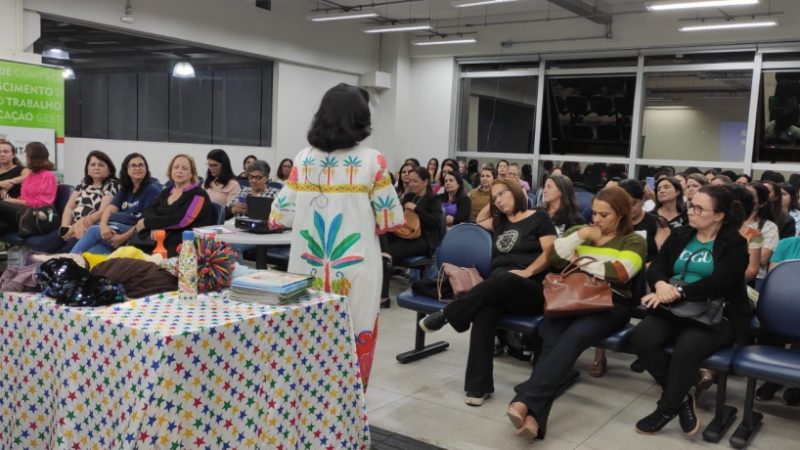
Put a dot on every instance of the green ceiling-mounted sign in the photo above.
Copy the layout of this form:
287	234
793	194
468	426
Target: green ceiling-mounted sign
31	96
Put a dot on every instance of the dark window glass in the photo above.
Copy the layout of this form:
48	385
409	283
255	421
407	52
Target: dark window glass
94	105
778	124
497	114
237	106
122	113
266	106
190	109
698	58
499	66
153	111
628	61
588	115
782	56
72	107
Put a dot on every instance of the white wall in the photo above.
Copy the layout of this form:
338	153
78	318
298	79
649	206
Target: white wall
158	155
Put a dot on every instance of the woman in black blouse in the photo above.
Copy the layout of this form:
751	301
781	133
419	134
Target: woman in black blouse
457	205
559	199
522	239
10	171
420	199
669	202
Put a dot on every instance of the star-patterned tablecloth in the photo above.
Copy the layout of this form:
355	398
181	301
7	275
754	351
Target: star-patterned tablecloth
164	373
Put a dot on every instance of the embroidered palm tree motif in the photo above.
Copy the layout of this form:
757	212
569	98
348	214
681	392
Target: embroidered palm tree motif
383	209
280	205
308	163
329	164
352	163
327	254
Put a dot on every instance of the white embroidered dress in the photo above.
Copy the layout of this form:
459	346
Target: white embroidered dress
337	203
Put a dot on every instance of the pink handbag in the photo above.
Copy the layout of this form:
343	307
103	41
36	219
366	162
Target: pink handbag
461	279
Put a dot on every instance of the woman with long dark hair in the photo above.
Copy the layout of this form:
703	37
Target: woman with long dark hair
789	204
10	171
456	203
762	220
137	191
285	169
558	196
338	199
38	186
220	183
669	202
709	256
785	222
402	180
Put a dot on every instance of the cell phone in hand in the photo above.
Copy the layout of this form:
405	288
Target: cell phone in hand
651	183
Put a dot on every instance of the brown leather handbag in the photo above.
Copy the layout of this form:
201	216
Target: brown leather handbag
573	292
412	228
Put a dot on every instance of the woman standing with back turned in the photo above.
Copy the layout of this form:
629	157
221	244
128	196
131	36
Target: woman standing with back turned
338	199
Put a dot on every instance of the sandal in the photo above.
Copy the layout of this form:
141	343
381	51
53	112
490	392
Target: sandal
598	368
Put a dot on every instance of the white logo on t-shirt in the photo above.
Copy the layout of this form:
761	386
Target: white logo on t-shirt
505	242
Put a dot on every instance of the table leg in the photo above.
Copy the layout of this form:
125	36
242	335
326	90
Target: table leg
261	257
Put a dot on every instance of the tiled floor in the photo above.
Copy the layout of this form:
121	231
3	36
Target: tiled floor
424	400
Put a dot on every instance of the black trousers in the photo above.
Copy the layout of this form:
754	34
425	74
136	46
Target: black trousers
481	308
676	373
564	339
8	216
400	249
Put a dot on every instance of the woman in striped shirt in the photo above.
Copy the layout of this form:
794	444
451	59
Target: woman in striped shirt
620	254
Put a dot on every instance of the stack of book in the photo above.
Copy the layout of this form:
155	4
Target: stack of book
271	287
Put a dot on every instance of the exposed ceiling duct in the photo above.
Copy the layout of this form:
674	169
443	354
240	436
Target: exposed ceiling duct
595	12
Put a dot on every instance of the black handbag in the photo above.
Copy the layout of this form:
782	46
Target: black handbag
706	312
37	221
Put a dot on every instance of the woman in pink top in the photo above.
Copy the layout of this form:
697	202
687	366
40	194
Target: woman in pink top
38	187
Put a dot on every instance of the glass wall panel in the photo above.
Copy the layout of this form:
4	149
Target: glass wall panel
681	59
588	115
778	124
696	115
497	114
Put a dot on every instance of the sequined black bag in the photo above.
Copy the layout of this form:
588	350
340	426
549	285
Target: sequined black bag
72	285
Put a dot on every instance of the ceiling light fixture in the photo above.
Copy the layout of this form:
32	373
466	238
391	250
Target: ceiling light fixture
56	53
183	69
68	73
729	25
468	3
671	6
349	15
399	28
445	41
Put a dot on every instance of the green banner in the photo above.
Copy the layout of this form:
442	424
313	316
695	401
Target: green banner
31	97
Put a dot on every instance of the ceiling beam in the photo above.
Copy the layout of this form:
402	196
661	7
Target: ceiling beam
592	10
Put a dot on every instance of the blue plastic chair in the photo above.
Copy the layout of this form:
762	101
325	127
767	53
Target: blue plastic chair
585	201
778	313
452	250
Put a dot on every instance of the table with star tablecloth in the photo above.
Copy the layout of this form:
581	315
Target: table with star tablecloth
164	373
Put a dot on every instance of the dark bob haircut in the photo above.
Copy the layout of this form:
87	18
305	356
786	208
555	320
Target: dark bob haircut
342	120
125	181
38	157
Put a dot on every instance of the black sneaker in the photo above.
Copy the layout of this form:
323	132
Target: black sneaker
767	391
637	366
475	398
791	396
653	423
690	424
433	322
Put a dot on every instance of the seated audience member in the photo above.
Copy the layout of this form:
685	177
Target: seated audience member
257	175
220	183
522	239
709	256
10	171
87	202
620	256
502	169
669	202
788	249
181	206
137	191
681	177
402	179
456	203
482	194
38	188
433	170
743	179
720	180
755	241
761	220
558	196
694	182
710	174
785	222
513	172
420	199
284	170
473	174
245	164
790	206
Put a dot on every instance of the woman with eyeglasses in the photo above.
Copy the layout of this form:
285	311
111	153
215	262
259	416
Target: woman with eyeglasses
220	183
697	262
137	191
619	255
669	202
257	176
338	200
522	239
456	202
402	180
